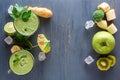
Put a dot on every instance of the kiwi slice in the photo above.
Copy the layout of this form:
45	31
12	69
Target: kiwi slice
103	64
112	59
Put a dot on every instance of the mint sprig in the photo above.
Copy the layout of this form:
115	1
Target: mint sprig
17	58
26	15
19	11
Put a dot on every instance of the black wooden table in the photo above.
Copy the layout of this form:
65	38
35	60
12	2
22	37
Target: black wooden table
70	41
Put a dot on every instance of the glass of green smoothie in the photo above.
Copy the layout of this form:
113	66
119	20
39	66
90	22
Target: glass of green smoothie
27	28
21	62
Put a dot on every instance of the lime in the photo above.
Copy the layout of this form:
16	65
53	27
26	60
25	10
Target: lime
27	28
21	62
9	29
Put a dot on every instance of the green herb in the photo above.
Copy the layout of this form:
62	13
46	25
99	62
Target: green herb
23	56
19	11
15	12
26	15
17	58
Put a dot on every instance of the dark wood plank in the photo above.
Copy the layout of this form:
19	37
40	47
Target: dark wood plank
70	42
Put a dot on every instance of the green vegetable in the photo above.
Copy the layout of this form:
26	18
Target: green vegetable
26	15
98	15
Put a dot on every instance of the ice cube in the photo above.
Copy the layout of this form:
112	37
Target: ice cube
10	9
89	24
41	56
89	60
8	40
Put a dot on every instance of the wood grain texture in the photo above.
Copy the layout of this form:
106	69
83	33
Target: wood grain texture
70	42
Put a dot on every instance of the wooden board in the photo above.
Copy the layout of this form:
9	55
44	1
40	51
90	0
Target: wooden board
70	41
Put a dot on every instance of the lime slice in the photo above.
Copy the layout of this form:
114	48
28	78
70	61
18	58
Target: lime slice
9	29
27	28
21	62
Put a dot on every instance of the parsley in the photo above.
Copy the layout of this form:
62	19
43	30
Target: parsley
26	15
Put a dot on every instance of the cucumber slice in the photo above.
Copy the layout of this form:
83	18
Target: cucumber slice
9	29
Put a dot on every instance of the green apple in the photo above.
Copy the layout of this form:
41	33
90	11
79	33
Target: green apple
103	42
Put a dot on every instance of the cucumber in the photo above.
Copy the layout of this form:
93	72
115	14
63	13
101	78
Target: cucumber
9	29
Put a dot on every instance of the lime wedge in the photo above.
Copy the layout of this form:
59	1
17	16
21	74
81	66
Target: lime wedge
9	29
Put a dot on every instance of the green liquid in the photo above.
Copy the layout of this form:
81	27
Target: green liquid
27	28
25	63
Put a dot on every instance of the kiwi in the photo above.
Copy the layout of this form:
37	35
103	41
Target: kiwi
113	60
103	64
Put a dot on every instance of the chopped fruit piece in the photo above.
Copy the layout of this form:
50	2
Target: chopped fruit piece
8	40
89	60
112	29
89	24
9	29
102	24
104	6
41	56
111	15
103	64
15	48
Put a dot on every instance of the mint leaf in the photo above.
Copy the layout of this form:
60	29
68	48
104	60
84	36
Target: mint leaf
15	13
26	16
23	56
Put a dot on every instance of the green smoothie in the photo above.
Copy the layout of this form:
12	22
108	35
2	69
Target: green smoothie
21	62
27	28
